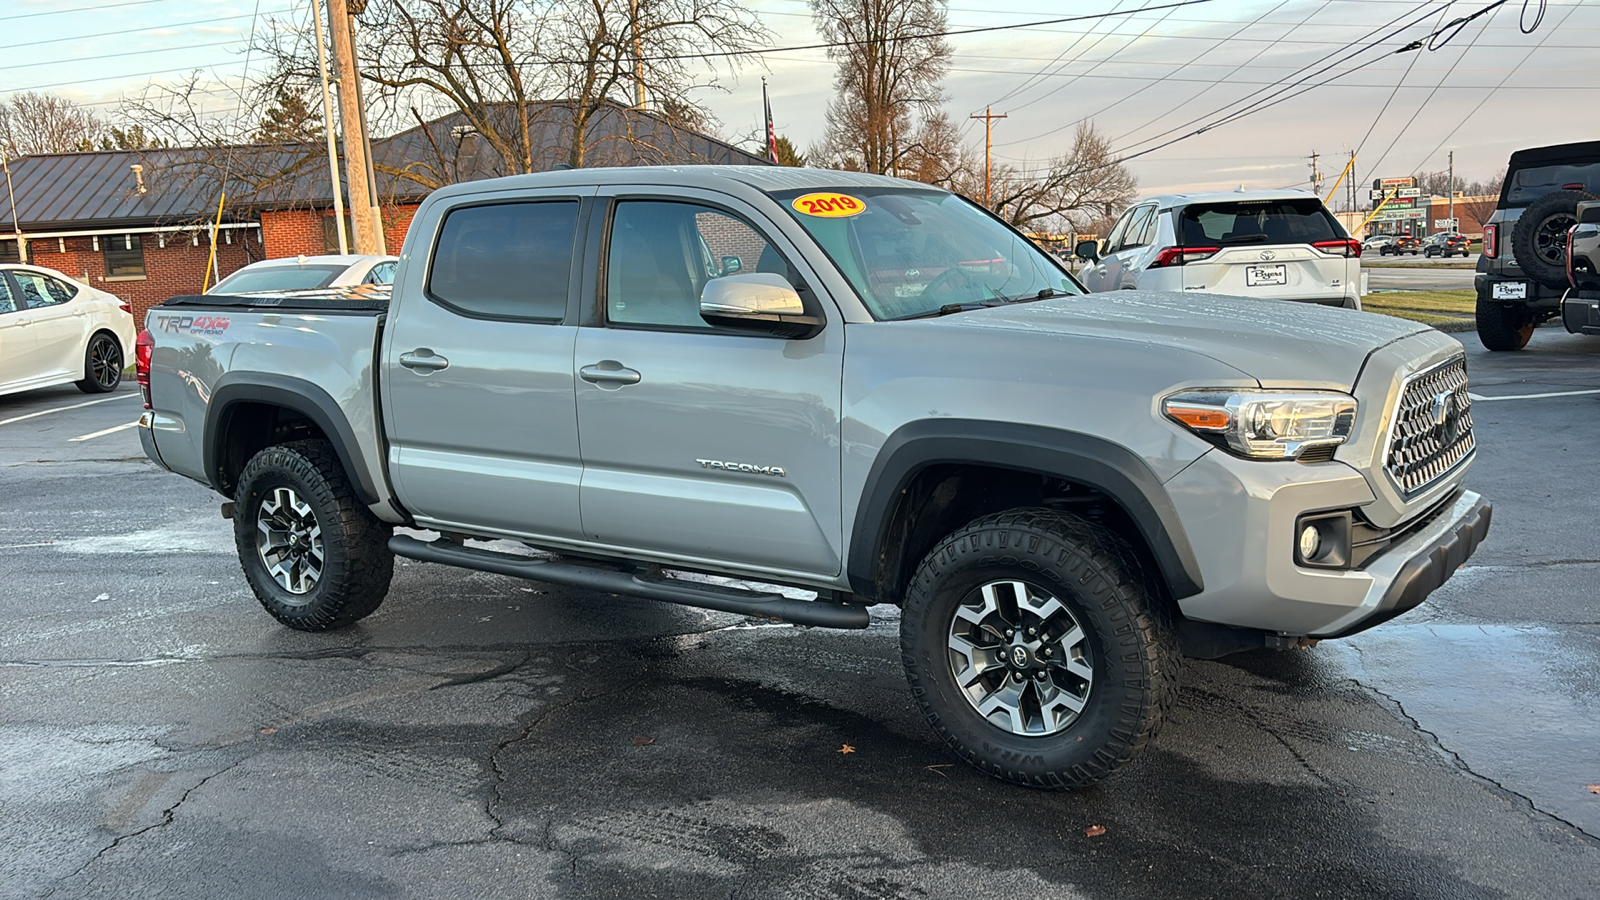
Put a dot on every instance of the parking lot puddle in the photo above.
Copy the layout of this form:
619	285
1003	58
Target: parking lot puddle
1518	706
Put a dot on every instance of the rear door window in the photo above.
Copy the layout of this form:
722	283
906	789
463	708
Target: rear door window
506	260
1293	221
1528	185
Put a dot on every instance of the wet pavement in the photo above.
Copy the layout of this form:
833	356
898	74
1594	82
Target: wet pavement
485	737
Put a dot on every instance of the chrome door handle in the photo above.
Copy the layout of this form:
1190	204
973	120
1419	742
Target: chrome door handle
608	371
424	360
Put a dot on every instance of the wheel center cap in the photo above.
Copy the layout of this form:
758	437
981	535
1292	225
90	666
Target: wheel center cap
1021	657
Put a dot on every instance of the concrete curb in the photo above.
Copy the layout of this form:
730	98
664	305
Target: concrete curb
1453	327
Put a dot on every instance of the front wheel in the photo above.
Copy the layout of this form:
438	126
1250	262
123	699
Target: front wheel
1036	650
315	557
102	365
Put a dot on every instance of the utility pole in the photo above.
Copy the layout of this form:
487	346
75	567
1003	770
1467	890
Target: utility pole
988	118
1351	187
1316	177
327	127
638	56
16	223
350	118
1450	191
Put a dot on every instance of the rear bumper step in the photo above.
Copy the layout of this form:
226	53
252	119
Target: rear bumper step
635	584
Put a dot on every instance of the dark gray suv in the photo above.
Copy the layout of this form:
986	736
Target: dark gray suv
1522	274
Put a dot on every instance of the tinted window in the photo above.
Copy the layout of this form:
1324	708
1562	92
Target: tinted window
42	290
1138	226
382	273
277	278
507	260
1258	222
6	303
662	255
1528	185
1114	239
124	255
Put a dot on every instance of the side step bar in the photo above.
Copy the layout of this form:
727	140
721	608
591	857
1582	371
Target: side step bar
634	584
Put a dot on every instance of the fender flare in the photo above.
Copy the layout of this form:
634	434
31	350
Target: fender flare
295	394
1094	462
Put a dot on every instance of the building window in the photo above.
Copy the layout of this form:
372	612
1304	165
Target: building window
330	233
124	255
8	252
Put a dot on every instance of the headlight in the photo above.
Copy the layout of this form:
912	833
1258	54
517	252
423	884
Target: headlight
1265	424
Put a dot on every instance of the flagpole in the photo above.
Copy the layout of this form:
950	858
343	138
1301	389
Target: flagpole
772	134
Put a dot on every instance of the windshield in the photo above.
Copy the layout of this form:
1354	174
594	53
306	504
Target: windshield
1295	221
910	252
276	278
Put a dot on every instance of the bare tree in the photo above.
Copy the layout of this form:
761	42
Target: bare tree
44	123
531	83
888	95
1085	184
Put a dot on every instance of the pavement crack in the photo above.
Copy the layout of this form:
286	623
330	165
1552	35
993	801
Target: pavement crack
1461	765
168	815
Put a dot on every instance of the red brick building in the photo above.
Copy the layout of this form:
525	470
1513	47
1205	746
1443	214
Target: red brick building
138	223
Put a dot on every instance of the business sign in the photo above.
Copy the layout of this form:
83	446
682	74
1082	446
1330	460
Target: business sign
1403	193
1399	214
1447	224
1379	184
1409	192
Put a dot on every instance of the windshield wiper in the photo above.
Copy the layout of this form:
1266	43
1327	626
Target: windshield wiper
947	309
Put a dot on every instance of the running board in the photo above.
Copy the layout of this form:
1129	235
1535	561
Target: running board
634	584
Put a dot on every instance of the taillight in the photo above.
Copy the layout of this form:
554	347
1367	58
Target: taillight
1180	256
1491	241
142	348
1347	247
125	308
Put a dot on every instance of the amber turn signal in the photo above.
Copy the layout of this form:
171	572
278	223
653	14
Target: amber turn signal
1203	418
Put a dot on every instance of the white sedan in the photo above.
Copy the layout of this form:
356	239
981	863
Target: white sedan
307	272
55	330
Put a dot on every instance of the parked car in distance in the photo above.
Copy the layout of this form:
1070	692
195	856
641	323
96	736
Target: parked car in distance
857	386
302	272
56	330
1402	243
1446	244
1522	272
1376	242
1271	245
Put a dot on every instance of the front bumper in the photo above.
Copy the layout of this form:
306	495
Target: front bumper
1240	518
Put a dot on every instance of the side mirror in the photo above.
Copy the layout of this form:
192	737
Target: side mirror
1089	250
760	302
732	264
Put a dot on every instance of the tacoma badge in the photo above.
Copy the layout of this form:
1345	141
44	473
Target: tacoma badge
742	467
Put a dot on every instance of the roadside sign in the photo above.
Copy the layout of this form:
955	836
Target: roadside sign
1409	192
1381	183
1447	224
1399	214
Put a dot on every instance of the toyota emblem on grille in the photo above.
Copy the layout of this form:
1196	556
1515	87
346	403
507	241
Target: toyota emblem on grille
1441	408
1268	254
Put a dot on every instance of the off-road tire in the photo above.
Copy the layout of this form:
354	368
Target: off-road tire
1539	242
1135	652
102	364
357	563
1504	326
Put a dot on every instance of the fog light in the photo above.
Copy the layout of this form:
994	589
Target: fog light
1310	543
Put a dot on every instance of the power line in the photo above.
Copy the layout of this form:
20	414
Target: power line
1053	91
1385	108
83	37
82	59
96	8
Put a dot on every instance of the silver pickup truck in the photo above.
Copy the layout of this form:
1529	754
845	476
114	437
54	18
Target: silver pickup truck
861	387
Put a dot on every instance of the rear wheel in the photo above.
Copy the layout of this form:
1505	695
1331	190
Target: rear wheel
102	364
1504	326
315	557
1036	649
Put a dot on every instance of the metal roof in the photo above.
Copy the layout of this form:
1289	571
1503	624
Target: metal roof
98	189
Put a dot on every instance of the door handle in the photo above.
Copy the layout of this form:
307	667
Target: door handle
608	372
23	320
423	360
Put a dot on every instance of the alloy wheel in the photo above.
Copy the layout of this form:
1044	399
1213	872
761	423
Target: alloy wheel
105	362
289	541
1020	658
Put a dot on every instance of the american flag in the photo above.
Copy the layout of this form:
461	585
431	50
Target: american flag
772	133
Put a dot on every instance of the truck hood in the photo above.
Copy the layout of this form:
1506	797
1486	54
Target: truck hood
1278	343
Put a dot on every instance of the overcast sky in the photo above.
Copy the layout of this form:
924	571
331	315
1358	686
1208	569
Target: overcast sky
1135	76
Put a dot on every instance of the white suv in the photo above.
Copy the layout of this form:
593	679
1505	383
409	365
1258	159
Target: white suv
1275	245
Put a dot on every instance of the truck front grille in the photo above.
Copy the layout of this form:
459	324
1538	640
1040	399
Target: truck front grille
1432	430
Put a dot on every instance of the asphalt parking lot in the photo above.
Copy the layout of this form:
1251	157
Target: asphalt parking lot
484	737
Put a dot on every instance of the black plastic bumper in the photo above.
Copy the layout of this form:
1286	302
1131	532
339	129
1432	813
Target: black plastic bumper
1580	312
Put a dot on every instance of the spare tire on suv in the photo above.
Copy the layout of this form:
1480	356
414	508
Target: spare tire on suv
1539	239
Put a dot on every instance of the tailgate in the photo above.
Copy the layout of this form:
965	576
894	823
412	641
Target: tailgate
1275	273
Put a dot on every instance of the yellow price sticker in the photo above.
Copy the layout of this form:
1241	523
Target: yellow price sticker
830	206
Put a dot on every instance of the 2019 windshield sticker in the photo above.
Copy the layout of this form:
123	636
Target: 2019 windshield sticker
829	205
